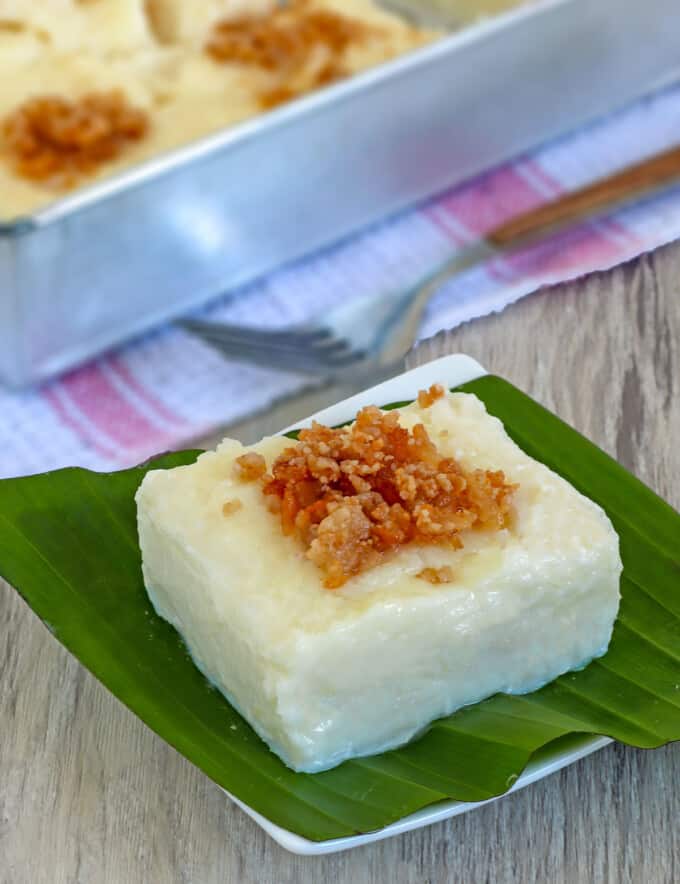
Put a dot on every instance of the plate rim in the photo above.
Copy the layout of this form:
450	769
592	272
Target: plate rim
582	745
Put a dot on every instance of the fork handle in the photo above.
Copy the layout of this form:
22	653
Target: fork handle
633	183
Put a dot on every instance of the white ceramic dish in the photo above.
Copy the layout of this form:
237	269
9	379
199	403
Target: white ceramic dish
450	371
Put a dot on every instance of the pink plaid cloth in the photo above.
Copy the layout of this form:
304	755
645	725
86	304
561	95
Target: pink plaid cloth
169	388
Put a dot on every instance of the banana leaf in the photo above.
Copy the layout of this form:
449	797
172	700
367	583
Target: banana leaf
68	544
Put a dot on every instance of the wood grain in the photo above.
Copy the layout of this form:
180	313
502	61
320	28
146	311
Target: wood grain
88	794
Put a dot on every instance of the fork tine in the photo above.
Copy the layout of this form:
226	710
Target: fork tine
318	342
332	359
298	336
283	358
331	346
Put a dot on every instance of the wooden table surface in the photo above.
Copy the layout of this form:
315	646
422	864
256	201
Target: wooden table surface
89	794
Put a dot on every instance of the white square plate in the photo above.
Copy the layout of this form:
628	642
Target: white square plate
449	371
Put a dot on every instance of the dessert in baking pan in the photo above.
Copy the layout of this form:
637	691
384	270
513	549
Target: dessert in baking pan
87	89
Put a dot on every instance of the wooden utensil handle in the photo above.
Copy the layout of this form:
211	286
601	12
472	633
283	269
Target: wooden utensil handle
632	183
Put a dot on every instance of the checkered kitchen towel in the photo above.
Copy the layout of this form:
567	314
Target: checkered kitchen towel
169	388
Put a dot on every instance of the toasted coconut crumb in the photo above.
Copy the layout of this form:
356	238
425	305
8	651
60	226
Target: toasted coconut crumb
231	506
354	494
303	48
427	397
58	142
436	575
250	467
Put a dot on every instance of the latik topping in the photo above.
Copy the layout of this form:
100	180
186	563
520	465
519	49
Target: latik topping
437	575
301	46
57	141
426	398
351	495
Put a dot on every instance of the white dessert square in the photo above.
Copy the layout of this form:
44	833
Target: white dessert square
327	674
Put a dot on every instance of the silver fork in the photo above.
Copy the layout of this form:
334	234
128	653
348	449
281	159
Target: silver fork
378	331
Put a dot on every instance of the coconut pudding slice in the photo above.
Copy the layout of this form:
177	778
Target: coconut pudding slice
345	590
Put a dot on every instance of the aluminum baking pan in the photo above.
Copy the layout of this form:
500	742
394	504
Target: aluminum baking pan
116	258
